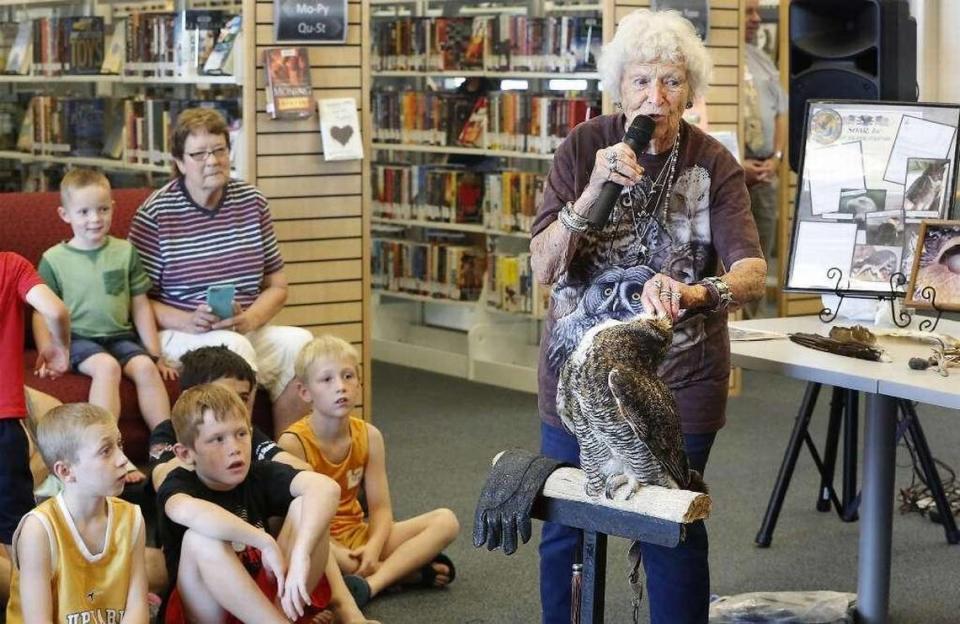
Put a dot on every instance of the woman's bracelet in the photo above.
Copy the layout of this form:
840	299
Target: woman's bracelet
720	295
571	220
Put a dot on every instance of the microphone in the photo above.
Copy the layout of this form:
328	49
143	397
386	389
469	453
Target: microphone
638	138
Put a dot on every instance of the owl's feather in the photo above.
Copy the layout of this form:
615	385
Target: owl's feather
637	400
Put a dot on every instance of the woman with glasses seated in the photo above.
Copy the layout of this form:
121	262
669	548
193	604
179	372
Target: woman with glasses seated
204	229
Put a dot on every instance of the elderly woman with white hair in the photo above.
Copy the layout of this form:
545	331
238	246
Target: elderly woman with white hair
682	218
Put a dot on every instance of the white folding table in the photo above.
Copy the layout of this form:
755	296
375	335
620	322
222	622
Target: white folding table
884	384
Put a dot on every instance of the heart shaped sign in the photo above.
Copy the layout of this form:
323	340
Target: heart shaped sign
341	134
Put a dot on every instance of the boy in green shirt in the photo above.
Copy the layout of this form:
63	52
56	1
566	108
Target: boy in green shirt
102	282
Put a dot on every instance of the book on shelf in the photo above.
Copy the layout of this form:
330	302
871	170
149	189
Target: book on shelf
289	93
587	39
84	126
84	37
429	269
221	59
473	130
115	47
11	117
8	35
151	51
49	48
25	138
113	124
201	28
20	57
510	285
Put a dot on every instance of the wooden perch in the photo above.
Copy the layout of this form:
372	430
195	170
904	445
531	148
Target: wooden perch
680	506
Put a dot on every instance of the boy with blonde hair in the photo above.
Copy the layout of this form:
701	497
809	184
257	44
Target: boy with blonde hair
351	451
79	557
223	564
104	285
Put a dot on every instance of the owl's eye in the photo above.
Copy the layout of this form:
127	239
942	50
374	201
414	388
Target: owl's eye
607	291
635	296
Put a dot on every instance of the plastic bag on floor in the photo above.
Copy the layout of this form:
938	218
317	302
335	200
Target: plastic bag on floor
807	607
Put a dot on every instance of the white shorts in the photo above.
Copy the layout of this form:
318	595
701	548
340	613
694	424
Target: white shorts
271	350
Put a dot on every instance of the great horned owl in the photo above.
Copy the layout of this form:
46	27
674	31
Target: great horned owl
623	415
612	294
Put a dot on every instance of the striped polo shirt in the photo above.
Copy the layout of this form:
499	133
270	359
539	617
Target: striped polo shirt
186	248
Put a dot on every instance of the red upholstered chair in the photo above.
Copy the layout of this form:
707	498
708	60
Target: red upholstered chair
29	225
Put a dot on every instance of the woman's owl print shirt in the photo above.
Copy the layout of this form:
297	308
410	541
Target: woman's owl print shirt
707	222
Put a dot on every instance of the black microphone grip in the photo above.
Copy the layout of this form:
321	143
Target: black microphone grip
637	139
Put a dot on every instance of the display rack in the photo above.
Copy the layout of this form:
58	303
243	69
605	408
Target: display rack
156	83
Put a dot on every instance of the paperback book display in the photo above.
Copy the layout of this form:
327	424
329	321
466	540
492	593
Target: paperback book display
510	120
503	201
289	93
502	43
430	269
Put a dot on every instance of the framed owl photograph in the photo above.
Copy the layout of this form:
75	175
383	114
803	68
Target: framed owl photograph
869	172
935	279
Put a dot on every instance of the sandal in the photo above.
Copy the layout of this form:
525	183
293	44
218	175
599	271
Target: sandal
428	575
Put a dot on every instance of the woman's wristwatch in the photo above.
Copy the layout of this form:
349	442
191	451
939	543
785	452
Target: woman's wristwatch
720	295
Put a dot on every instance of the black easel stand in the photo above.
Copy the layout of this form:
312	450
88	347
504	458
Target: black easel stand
844	414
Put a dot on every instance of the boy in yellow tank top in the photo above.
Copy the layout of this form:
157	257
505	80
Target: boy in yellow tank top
350	451
79	557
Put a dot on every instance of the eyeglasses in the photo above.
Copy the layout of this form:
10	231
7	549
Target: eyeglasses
217	152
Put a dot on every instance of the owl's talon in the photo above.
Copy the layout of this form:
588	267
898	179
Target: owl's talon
621	487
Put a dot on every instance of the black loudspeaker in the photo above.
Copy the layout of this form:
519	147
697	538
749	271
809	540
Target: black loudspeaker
849	50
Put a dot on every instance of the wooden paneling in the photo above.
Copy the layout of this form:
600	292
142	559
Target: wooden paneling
317	206
314	207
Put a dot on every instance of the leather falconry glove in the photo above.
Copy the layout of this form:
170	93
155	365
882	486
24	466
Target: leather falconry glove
503	510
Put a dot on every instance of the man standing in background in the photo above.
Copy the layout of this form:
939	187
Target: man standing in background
765	133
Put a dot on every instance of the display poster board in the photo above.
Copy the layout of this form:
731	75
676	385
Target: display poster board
697	11
870	172
310	21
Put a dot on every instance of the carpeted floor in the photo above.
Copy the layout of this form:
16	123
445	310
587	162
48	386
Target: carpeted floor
441	433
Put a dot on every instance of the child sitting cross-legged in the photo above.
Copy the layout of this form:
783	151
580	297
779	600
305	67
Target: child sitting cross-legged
384	552
223	564
104	285
79	557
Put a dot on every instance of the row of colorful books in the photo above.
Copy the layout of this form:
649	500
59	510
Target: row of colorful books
510	285
500	200
428	269
183	44
133	130
506	120
494	43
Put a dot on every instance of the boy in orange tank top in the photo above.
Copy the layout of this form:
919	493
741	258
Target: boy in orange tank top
79	557
350	451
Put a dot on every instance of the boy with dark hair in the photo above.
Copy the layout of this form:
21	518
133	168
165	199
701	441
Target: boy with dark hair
224	565
221	366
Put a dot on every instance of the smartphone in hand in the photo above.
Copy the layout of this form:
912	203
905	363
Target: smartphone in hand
220	299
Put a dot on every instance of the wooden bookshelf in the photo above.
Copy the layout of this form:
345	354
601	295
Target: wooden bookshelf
474	341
